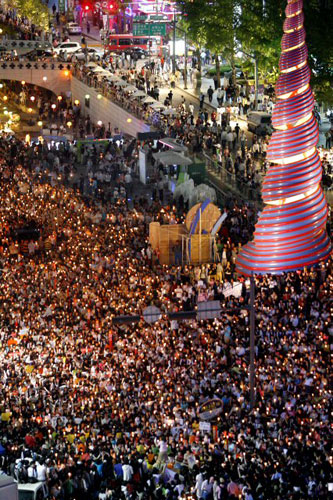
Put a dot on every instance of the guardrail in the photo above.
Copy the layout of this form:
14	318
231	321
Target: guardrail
227	181
25	44
111	93
30	65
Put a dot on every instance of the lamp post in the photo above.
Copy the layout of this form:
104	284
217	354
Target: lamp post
256	81
252	342
185	61
174	52
174	44
254	58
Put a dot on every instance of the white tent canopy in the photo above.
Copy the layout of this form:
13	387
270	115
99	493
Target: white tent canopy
121	83
99	69
172	158
157	105
149	100
130	88
139	93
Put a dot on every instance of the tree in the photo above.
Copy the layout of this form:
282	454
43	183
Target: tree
260	31
319	28
214	24
254	27
34	10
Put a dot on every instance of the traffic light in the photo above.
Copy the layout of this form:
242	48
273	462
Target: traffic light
86	6
113	7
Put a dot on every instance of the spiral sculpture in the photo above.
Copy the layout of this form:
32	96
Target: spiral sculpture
291	230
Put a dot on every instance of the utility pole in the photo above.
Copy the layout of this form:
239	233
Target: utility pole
254	58
185	62
256	81
252	342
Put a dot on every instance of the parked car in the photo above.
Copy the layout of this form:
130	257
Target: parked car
73	29
137	53
39	53
32	491
68	47
259	123
93	54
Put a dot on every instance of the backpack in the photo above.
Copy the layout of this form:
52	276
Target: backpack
21	473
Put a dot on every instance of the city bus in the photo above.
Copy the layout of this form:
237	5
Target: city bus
127	41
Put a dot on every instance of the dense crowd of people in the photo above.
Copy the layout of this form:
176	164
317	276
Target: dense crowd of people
97	409
102	411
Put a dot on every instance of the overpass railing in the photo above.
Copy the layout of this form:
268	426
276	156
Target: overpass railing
227	181
25	44
112	94
31	65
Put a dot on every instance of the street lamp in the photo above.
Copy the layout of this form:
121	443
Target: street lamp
252	342
185	54
254	58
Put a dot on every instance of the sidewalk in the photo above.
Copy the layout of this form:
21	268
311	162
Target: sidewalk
205	84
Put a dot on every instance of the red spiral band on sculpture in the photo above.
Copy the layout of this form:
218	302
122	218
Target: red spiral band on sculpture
292	82
291	230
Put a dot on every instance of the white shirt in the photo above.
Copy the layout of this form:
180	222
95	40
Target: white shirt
32	471
41	472
127	472
163	447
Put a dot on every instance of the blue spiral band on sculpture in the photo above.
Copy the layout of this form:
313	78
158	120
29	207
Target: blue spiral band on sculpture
291	231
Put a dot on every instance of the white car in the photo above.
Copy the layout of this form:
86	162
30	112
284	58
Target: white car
73	28
68	47
34	491
93	54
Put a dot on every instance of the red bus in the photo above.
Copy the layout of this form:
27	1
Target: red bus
152	44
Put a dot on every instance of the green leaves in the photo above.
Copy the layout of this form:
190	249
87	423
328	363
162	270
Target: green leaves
36	11
227	27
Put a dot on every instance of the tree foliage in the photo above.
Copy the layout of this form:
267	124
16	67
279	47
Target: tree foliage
34	10
255	27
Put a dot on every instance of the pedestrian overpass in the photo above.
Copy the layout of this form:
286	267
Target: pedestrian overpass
52	75
58	78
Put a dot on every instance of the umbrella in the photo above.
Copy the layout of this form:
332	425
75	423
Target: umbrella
121	83
157	105
130	88
112	77
148	100
169	111
99	69
139	93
